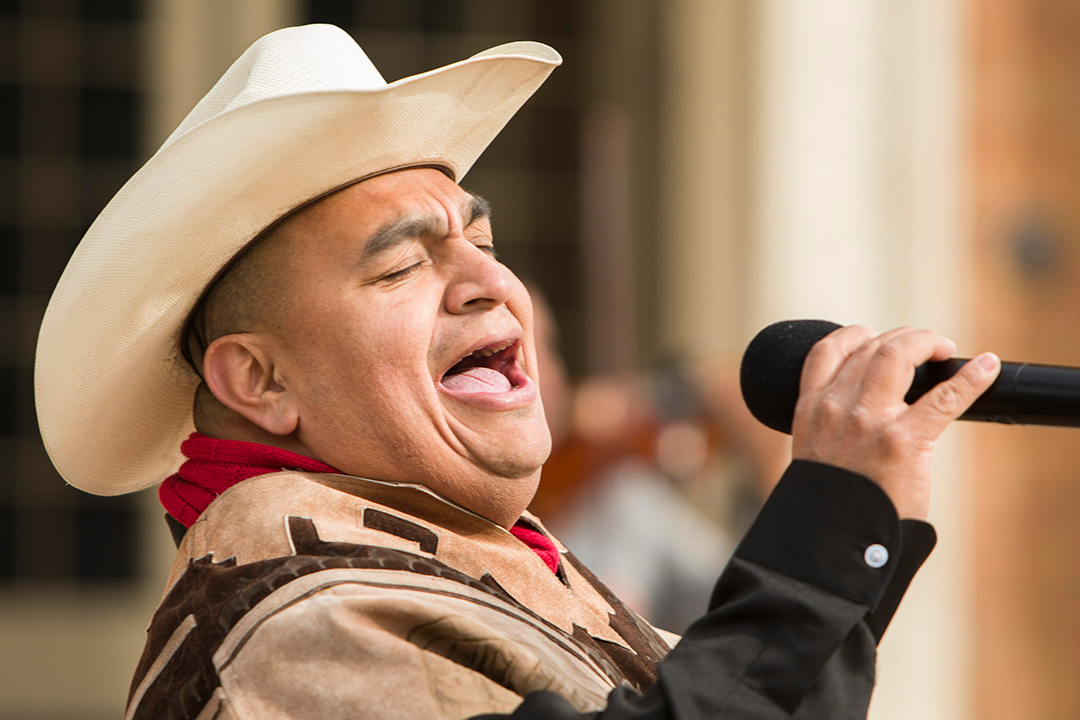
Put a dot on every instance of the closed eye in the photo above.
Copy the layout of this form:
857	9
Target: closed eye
400	274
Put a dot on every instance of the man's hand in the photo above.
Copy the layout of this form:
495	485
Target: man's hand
851	411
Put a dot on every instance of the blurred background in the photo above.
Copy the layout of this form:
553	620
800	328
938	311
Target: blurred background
696	170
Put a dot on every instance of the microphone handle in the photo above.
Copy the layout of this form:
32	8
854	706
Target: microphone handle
1023	394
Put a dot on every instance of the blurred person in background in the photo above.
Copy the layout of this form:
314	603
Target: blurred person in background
605	494
651	477
629	521
361	375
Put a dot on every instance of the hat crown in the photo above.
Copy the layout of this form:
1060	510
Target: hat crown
306	59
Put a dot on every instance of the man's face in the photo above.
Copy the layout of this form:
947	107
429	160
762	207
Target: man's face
408	348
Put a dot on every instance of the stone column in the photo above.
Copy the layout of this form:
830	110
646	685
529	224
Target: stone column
812	168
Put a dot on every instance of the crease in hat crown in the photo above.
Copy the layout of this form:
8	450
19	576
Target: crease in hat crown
304	59
301	113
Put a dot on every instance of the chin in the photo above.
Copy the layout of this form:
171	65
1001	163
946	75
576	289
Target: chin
520	461
512	446
504	498
514	470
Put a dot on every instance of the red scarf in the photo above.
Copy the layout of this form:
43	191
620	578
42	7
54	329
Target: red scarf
214	465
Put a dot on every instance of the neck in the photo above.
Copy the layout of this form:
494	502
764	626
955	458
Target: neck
240	429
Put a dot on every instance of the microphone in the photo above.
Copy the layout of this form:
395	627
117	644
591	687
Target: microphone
1023	394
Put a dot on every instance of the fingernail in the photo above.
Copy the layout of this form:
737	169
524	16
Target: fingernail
988	361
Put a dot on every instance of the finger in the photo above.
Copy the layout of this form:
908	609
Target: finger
945	351
931	414
891	369
829	354
894	333
852	373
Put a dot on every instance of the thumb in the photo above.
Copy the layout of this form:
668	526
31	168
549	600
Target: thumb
931	414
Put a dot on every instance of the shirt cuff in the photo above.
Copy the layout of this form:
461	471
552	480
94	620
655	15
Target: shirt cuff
829	527
917	540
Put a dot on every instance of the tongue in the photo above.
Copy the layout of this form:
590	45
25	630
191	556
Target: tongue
478	380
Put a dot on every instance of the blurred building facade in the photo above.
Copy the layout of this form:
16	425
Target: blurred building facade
696	170
1025	181
71	565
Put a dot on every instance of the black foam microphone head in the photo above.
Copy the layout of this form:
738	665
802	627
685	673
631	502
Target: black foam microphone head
772	366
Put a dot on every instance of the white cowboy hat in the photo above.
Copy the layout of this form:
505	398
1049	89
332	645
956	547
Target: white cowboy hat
301	113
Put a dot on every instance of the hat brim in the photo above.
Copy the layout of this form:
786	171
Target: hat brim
114	399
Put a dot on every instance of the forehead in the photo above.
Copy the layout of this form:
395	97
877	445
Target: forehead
370	203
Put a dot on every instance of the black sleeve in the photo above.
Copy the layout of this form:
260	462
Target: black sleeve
794	620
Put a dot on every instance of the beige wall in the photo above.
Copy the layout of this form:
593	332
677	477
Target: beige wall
704	191
858	217
813	168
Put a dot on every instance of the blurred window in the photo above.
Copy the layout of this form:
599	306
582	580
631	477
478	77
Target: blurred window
70	113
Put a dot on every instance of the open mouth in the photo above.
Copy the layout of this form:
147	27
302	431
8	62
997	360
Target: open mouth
490	369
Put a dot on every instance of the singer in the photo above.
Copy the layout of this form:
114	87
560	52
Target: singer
292	320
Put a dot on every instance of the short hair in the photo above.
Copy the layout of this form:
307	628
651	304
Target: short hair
250	292
247	294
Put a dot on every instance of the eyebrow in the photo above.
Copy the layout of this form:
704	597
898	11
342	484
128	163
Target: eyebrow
412	227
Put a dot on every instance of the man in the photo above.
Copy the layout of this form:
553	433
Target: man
369	432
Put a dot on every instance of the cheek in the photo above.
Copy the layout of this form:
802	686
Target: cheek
519	302
353	358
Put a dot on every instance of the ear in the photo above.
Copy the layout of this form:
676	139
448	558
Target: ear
241	374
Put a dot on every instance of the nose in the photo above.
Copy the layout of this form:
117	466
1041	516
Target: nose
478	282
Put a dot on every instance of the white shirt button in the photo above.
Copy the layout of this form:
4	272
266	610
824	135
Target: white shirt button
876	556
